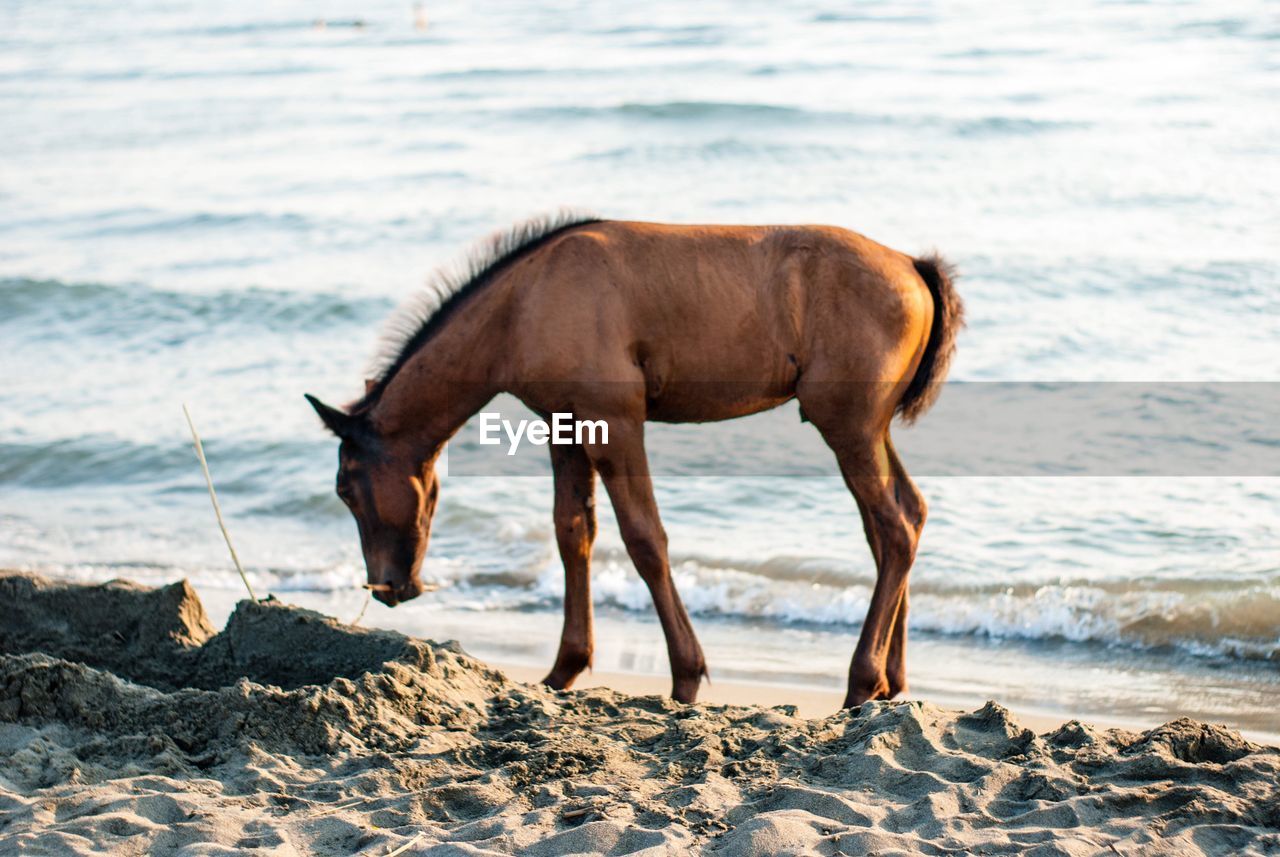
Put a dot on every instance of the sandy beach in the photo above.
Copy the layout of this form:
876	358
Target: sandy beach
809	703
130	725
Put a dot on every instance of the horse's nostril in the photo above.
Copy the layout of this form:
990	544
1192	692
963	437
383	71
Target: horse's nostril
384	592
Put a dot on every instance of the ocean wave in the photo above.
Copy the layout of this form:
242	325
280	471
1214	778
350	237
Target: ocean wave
1234	619
306	506
107	460
766	113
677	110
241	28
1004	126
99	308
870	18
1224	619
145	221
725	149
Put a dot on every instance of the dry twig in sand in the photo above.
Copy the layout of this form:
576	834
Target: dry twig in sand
405	847
330	810
371	588
368	591
363	607
217	510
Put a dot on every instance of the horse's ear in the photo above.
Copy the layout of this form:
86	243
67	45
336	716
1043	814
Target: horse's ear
369	384
339	422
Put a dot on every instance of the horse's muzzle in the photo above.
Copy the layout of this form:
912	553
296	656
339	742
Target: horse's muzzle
392	594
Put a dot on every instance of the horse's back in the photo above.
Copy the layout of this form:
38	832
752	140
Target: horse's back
742	310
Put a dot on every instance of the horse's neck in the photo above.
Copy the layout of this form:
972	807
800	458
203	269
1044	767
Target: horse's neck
437	390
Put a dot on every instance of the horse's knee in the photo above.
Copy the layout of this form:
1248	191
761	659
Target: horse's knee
650	560
896	536
647	547
915	509
575	532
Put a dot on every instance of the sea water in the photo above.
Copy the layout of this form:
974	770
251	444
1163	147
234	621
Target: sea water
218	204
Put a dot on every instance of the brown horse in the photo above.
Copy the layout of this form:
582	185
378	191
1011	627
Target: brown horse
628	322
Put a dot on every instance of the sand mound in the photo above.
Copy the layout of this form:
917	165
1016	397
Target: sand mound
128	725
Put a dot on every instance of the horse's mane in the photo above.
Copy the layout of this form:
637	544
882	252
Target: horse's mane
421	316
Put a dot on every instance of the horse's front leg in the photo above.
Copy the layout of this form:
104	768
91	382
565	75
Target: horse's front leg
624	469
575	518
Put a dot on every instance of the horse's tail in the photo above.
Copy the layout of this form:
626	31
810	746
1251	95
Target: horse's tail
948	318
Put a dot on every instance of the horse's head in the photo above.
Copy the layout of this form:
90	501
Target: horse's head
392	493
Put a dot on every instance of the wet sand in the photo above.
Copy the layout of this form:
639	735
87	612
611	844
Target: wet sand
128	724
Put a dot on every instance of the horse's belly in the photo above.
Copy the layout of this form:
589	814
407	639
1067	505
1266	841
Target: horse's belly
704	402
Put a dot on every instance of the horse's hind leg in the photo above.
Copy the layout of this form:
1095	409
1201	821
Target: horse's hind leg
575	518
624	470
895	670
893	514
915	510
883	499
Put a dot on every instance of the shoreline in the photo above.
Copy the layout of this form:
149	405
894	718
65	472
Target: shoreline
805	667
760	664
